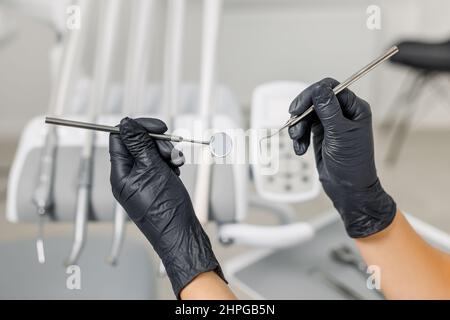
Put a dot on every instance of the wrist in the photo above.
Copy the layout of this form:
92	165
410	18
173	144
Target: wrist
207	285
182	273
183	264
365	211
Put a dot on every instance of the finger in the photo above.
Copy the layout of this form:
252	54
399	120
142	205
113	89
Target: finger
176	170
304	100
301	145
301	134
174	157
353	107
297	130
318	135
152	125
327	106
140	145
121	161
169	153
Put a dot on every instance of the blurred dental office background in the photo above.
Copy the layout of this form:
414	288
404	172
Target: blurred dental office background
259	41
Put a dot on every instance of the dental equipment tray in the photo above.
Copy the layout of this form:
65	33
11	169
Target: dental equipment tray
308	271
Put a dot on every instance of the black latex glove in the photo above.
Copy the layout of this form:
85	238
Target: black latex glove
344	152
145	182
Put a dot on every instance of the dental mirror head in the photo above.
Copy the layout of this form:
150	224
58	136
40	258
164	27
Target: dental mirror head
220	144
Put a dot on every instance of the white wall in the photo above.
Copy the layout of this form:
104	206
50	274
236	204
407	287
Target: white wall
260	41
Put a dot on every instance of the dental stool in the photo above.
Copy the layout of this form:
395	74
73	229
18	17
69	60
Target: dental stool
428	62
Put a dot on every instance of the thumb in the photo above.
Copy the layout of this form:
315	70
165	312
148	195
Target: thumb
327	106
140	145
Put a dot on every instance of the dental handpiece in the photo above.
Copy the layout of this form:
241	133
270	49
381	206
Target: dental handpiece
220	143
340	87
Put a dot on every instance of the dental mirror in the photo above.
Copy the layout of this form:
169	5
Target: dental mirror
220	144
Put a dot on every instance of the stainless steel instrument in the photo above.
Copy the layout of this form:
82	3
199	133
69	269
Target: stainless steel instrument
220	143
343	85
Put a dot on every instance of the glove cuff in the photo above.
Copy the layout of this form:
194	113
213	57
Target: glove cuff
181	278
365	211
187	264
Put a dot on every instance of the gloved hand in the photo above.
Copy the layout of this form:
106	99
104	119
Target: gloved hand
144	180
344	153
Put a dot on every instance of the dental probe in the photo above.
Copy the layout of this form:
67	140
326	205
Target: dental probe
343	85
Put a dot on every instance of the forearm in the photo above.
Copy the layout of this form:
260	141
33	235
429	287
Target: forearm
208	286
410	268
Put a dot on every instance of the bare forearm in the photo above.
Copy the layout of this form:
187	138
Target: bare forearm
410	268
207	286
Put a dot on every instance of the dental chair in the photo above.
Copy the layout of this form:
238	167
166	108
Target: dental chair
100	280
227	206
288	259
